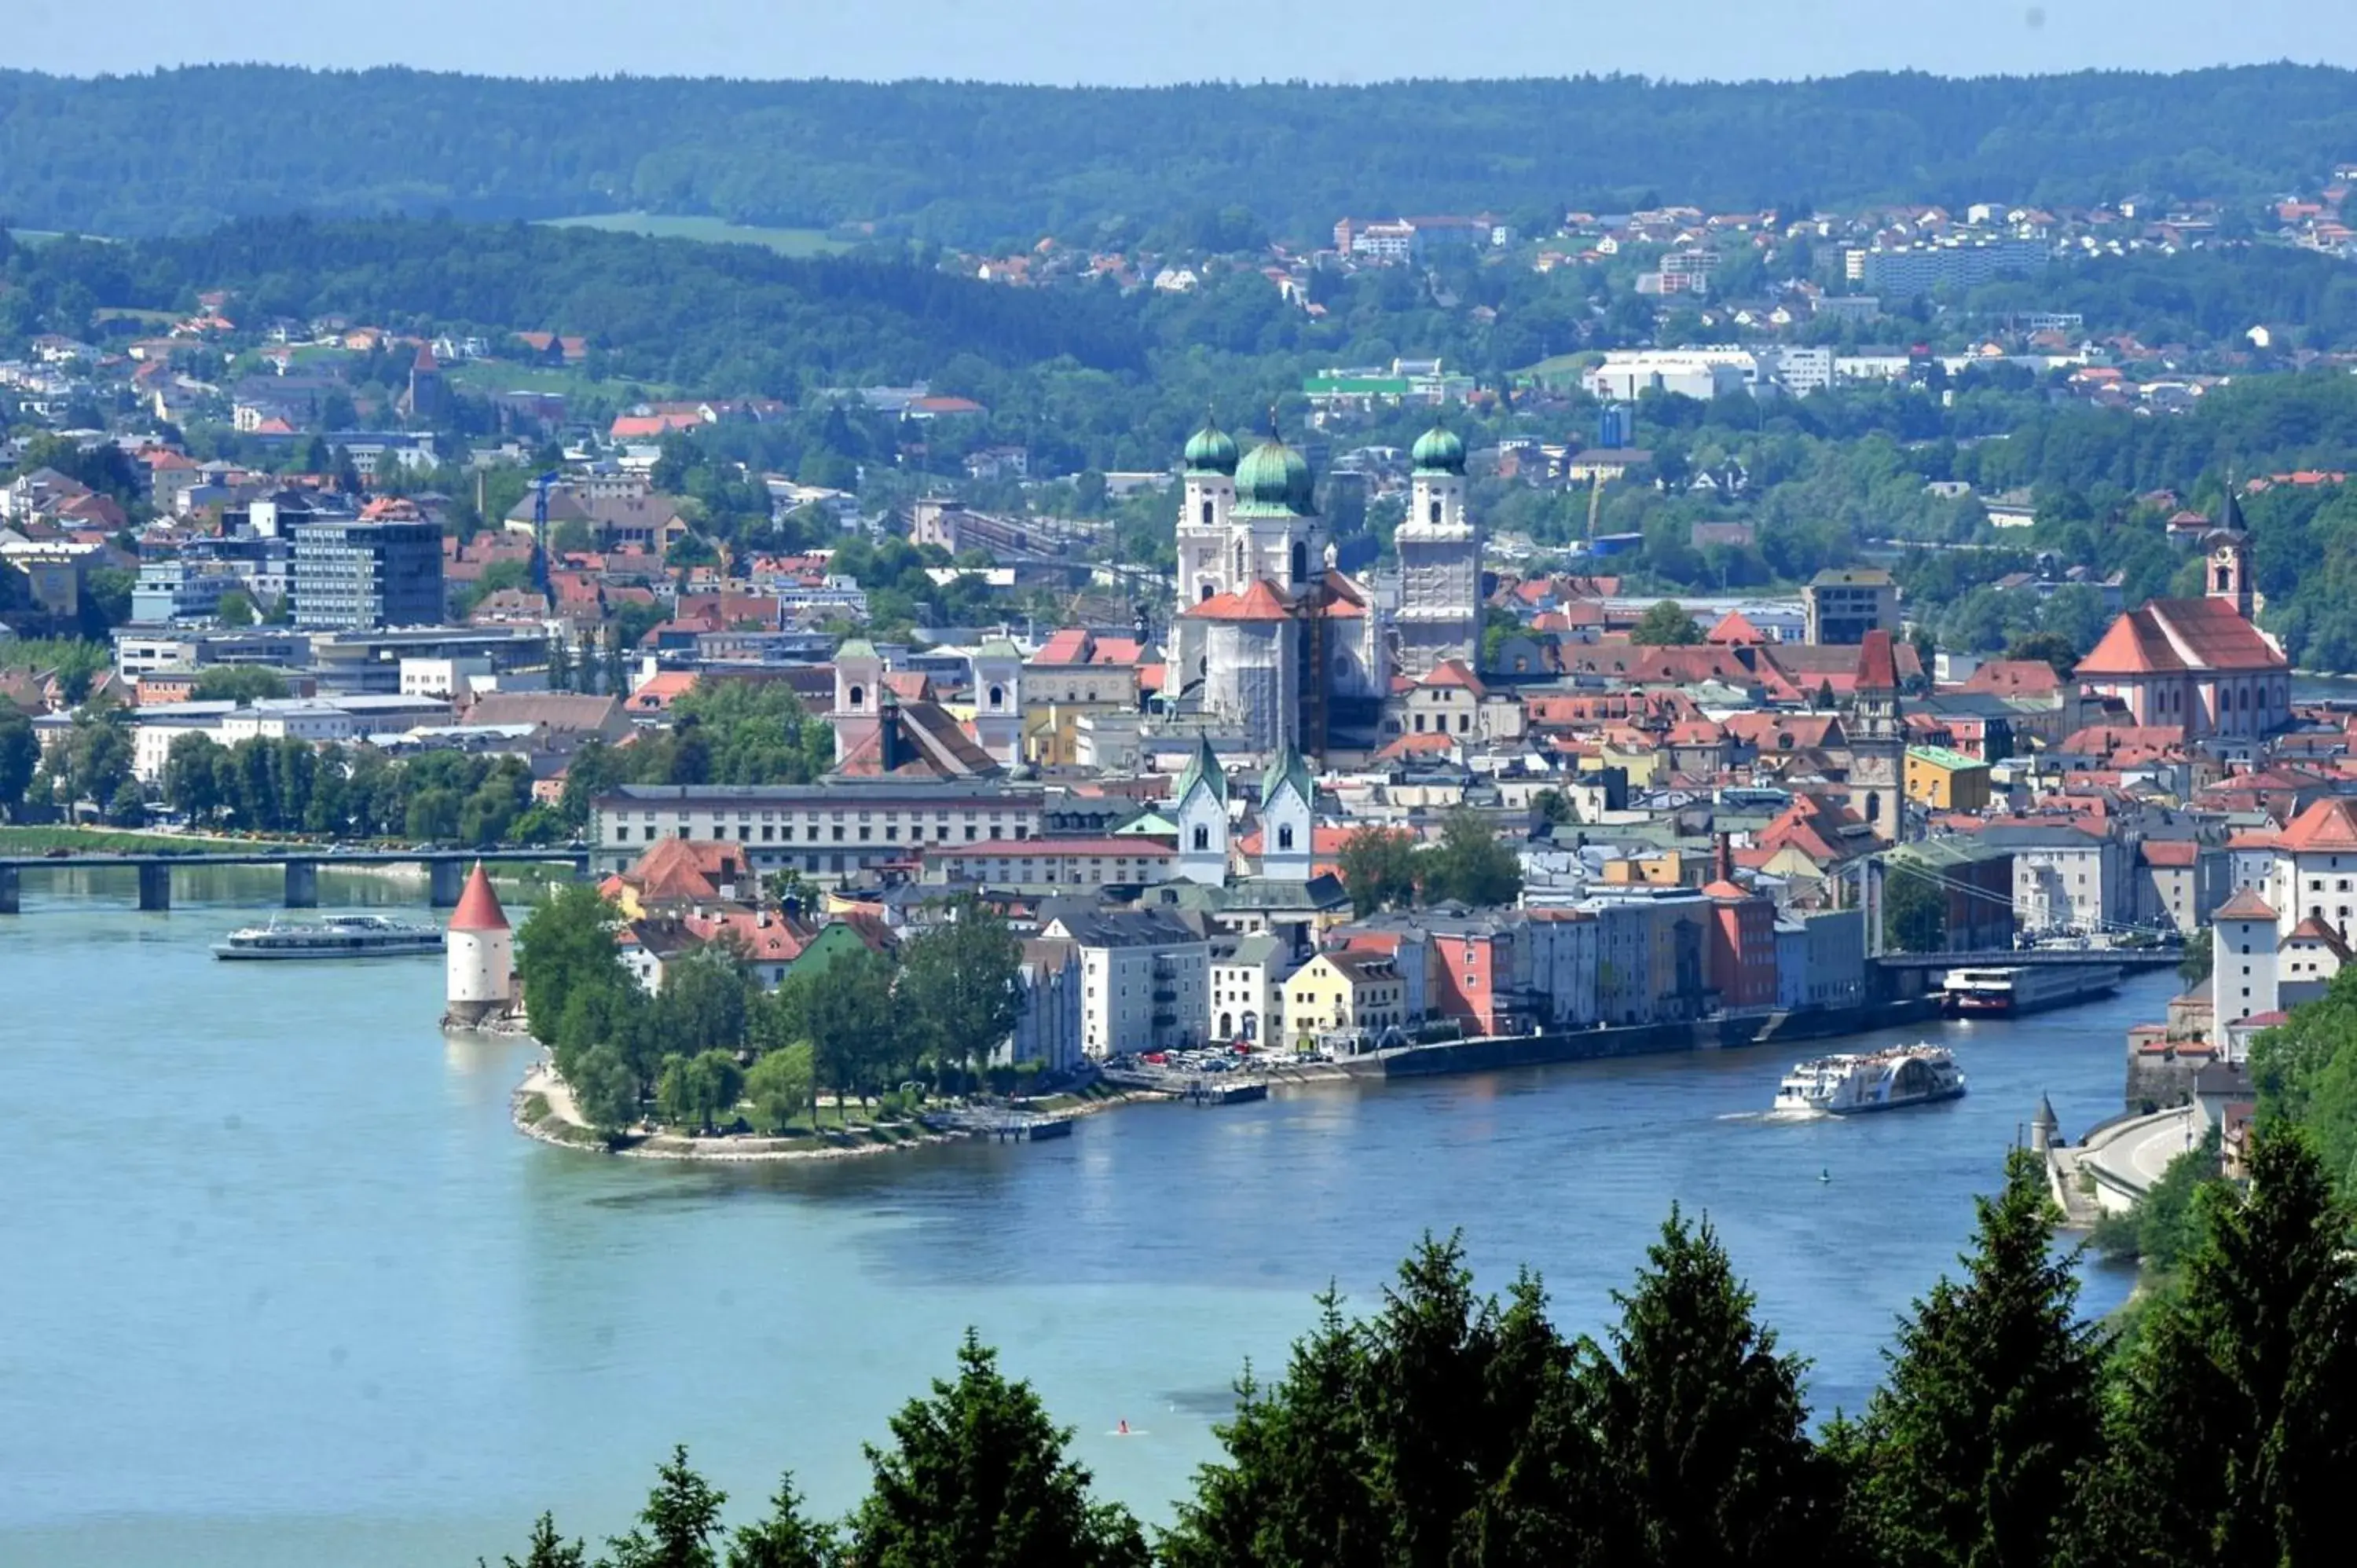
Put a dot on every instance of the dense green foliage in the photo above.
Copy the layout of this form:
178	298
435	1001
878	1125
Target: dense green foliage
968	162
847	1019
1390	868
292	786
2306	1073
651	306
1453	1429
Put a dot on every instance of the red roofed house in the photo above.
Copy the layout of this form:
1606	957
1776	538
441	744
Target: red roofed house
2201	665
2315	867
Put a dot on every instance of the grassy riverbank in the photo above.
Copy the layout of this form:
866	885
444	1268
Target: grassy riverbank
544	1109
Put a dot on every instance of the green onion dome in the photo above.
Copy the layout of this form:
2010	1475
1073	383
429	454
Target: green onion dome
1212	450
1276	478
1438	451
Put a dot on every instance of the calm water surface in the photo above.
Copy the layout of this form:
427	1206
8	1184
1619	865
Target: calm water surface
282	1288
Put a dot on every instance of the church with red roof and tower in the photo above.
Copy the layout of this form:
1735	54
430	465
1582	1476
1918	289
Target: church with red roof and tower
2199	665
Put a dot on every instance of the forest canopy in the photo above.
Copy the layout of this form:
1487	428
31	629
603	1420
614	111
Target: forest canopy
974	163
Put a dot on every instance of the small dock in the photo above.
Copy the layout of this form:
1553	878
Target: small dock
1205	1091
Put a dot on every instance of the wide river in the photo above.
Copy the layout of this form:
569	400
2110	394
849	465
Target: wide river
281	1286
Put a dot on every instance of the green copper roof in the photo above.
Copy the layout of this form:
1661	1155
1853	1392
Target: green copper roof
854	647
1212	450
1204	765
1274	481
1287	767
1438	451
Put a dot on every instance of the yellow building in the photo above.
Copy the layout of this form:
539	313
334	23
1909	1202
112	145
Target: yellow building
1947	780
1667	869
1344	993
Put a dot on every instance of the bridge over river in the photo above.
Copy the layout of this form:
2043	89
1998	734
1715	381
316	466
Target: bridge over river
445	869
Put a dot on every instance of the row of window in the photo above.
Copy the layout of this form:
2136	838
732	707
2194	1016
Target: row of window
811	833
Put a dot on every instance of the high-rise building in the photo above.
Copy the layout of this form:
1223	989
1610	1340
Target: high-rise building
359	573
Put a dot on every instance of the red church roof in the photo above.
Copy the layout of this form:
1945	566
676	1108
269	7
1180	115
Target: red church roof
2170	636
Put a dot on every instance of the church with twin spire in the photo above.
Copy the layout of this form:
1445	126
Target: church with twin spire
1274	647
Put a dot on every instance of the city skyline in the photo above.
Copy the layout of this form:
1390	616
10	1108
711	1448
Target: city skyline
1064	42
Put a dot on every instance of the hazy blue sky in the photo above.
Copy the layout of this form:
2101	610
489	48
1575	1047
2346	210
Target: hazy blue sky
1093	40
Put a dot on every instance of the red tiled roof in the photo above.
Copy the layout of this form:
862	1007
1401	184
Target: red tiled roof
1257	603
1452	673
2171	635
2171	851
2329	824
1734	629
2245	906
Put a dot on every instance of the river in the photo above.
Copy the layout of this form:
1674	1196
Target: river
283	1288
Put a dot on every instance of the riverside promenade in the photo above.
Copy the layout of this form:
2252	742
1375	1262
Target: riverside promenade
2119	1162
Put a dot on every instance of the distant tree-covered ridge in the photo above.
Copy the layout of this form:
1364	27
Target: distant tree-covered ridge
968	163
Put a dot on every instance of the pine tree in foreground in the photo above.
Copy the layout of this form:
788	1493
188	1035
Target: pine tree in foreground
785	1539
1974	1451
676	1527
2235	1436
547	1549
1295	1487
977	1477
1702	1432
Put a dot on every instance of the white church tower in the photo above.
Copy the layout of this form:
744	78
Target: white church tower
479	955
1209	496
1202	816
1287	794
999	700
1440	549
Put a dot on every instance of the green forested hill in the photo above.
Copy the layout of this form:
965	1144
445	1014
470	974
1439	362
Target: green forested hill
972	163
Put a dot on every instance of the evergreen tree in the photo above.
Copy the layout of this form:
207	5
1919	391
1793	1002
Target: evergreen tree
977	1477
1707	1456
1541	1509
676	1527
1425	1402
2235	1440
547	1549
785	1539
1972	1451
1295	1488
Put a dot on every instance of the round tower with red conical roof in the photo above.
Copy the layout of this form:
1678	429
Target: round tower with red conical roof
481	949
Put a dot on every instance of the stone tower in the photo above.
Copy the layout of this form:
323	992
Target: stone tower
1203	815
1878	740
1440	549
478	954
999	700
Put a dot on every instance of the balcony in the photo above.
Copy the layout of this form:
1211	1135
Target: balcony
1166	997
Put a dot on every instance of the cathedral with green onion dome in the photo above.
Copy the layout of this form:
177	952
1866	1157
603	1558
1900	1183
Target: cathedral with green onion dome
1272	645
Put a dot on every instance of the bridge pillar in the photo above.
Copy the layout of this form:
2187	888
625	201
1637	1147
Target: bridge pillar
447	879
302	884
155	886
8	903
